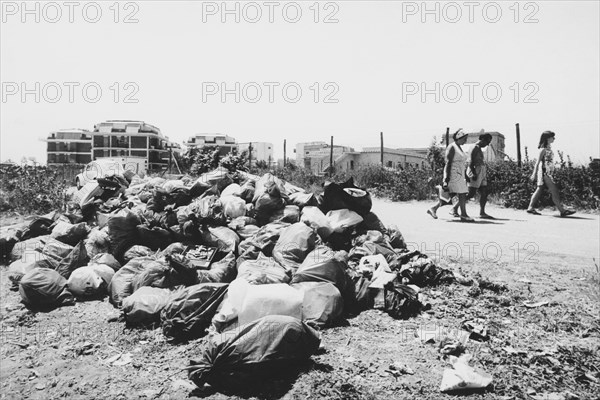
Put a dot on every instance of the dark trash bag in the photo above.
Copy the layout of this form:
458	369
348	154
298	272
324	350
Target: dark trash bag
145	305
120	285
247	190
224	270
154	238
137	251
322	304
123	233
258	350
293	246
44	288
267	236
224	239
106	259
322	265
395	237
400	300
304	199
77	258
338	196
371	222
190	310
72	234
159	274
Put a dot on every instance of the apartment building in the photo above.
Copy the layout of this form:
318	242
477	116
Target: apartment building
111	139
226	144
69	146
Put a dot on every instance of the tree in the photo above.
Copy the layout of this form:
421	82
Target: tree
435	155
235	162
197	161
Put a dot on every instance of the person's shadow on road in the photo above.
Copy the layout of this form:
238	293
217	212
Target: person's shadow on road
478	222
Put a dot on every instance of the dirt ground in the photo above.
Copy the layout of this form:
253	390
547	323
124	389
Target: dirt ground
549	350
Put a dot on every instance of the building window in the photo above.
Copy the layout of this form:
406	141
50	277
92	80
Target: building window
139	142
352	164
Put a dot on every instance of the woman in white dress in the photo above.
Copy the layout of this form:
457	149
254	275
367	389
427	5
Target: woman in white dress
454	175
543	175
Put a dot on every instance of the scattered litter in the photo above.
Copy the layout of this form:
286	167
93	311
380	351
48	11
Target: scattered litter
463	377
529	304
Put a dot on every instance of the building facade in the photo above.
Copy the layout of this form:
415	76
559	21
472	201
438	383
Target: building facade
110	139
312	155
226	144
261	151
69	146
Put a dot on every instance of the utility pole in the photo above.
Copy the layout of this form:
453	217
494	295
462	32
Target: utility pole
331	158
518	145
249	156
284	156
447	137
381	145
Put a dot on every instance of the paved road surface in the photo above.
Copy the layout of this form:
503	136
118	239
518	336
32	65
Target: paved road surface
575	239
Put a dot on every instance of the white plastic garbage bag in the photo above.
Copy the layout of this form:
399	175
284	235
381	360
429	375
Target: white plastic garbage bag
85	282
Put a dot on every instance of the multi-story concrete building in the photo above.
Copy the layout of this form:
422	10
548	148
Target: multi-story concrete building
261	151
123	138
69	146
110	139
226	144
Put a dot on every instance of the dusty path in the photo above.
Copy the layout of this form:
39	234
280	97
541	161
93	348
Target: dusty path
514	237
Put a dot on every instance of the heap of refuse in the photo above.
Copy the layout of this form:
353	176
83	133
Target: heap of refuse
232	255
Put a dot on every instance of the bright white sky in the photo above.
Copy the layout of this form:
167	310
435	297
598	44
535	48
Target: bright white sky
369	54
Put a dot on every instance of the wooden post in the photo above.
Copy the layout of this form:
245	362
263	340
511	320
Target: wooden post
249	156
447	137
518	146
331	158
381	145
284	156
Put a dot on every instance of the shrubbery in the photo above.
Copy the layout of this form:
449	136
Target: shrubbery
31	189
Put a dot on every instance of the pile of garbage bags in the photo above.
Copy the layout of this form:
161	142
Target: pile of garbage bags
232	255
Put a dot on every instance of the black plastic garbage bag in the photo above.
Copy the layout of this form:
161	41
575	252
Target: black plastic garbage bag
267	236
43	288
401	301
247	190
121	284
322	305
293	245
208	210
258	350
289	214
191	309
224	270
123	233
77	258
157	274
69	233
105	259
323	265
137	251
337	196
224	239
371	222
304	199
154	238
266	205
395	237
145	305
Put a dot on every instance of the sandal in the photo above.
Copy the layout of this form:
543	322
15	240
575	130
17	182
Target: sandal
432	213
566	213
533	211
454	213
486	216
466	219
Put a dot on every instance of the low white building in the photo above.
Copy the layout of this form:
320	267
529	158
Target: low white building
261	151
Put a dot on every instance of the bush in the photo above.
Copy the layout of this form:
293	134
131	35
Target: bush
31	189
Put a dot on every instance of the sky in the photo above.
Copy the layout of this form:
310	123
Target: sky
303	71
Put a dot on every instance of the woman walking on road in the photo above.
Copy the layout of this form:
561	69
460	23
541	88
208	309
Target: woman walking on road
542	173
454	175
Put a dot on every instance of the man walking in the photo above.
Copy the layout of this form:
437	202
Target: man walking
477	176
